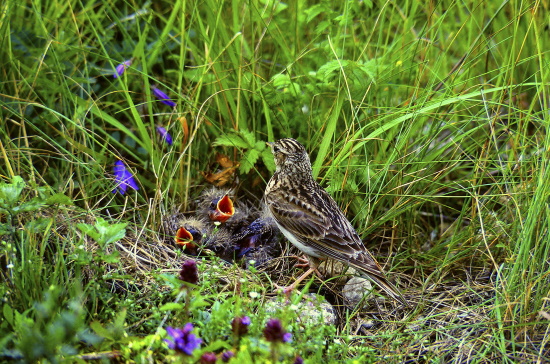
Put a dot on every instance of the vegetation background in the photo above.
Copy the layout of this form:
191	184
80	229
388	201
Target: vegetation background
427	121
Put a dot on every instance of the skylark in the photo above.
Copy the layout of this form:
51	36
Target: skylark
311	220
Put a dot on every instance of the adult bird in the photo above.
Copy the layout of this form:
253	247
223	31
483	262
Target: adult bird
311	220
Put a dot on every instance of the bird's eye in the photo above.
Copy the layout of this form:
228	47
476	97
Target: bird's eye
276	149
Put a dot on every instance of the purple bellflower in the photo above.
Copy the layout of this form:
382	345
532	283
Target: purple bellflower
119	70
123	178
182	340
164	98
165	135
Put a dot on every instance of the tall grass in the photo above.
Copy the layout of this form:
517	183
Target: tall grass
428	122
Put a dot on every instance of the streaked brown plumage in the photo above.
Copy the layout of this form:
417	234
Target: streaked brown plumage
310	218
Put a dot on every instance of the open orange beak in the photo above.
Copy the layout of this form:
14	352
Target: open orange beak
223	211
185	239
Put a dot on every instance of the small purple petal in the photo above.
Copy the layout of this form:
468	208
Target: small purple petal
245	320
165	135
123	178
274	332
182	339
226	355
164	98
119	70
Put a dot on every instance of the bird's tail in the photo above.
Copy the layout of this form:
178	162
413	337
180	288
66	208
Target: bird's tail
389	288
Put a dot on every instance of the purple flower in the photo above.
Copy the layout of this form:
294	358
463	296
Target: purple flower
165	135
123	178
226	355
274	332
182	340
163	97
298	360
240	325
189	272
119	70
208	358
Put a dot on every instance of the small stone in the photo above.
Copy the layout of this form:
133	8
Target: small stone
312	309
355	289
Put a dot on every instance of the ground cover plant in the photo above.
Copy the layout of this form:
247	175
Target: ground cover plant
426	121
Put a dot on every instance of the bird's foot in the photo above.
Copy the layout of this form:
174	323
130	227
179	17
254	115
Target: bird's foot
304	261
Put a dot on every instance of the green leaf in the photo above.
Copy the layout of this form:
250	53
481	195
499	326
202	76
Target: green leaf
267	158
5	229
8	313
329	72
199	302
171	306
281	81
88	230
249	137
32	205
231	140
101	331
10	192
248	161
59	199
315	10
260	145
110	233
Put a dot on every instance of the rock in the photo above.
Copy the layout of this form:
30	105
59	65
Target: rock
355	289
312	309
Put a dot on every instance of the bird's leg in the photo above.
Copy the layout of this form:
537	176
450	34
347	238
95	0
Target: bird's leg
288	289
313	262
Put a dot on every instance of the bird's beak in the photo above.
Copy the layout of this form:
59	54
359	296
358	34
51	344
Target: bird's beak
184	238
223	211
269	143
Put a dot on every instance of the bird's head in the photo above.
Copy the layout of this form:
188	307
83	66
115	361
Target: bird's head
290	155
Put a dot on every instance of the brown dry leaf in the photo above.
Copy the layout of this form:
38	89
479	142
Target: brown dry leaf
184	128
220	178
224	161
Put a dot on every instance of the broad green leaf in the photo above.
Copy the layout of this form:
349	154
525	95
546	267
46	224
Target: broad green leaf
268	160
10	192
231	140
248	161
249	137
110	233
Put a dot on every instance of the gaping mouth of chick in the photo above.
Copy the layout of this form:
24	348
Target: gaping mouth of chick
185	239
223	211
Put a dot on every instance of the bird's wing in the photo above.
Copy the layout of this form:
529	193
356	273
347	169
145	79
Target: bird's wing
313	217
